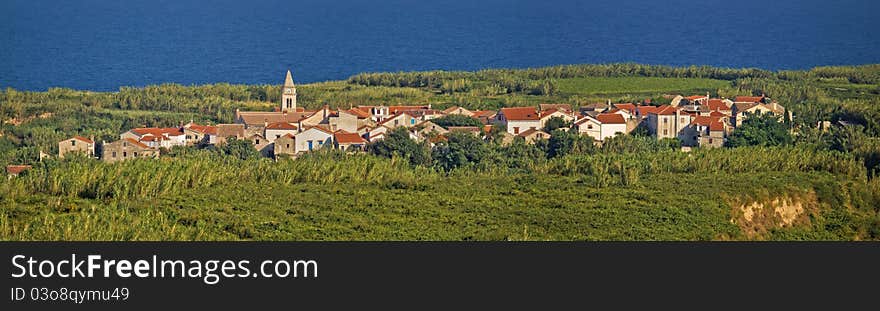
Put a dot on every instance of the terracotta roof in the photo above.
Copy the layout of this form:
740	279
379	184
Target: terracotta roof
343	137
717	104
716	126
627	106
695	97
484	113
520	113
281	126
83	139
665	110
748	99
206	129
229	130
610	118
136	143
17	169
716	114
643	110
359	113
157	131
704	120
289	135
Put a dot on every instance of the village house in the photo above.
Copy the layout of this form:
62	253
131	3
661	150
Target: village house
284	145
426	129
348	141
126	149
667	122
278	129
263	145
473	130
227	131
400	119
485	116
706	132
157	137
602	126
312	138
519	119
77	144
741	111
533	135
196	134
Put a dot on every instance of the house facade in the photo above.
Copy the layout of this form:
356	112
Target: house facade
76	144
127	149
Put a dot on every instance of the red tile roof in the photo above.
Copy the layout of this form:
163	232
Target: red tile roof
343	137
748	99
136	143
644	110
665	110
716	126
520	113
627	106
717	104
16	169
548	112
359	113
158	131
205	129
695	97
483	113
83	139
610	118
281	126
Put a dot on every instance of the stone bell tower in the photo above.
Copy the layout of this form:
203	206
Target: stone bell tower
288	94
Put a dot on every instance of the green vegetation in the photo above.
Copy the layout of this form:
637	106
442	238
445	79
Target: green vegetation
564	188
638	85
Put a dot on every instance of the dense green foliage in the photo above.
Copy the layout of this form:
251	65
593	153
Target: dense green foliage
463	188
760	130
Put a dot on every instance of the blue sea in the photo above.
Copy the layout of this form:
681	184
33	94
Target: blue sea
104	44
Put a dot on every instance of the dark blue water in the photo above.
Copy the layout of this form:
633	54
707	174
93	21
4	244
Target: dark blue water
104	44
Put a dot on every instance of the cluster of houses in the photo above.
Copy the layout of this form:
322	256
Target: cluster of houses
291	130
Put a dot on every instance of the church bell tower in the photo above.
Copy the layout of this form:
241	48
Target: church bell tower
288	94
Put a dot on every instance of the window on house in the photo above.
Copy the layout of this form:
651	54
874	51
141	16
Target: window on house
710	140
257	141
665	120
114	154
124	154
516	129
124	144
135	154
288	146
320	142
277	136
665	132
396	122
589	126
412	121
188	136
73	142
